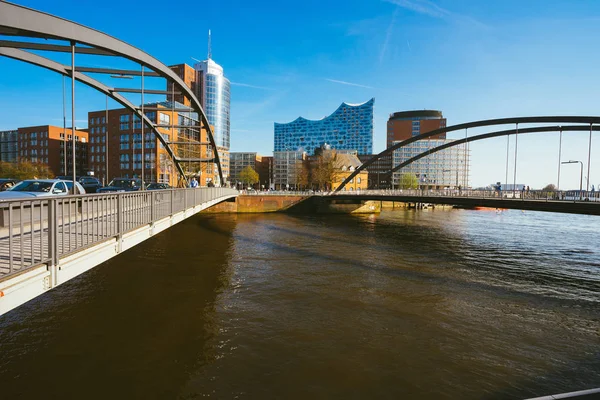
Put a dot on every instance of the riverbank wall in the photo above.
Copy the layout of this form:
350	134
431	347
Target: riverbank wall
294	204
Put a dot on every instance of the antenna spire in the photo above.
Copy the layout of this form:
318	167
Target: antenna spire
209	46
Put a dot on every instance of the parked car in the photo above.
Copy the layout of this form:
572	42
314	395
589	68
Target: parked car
158	186
40	188
6	184
122	185
90	184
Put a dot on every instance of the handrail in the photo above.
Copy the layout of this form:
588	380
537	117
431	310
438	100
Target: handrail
42	230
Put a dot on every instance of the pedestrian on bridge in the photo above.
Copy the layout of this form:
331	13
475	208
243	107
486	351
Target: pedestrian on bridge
194	183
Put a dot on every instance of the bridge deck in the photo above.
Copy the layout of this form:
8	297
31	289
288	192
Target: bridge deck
82	221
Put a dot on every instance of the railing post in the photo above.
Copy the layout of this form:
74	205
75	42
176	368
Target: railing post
52	241
151	206
185	192
120	221
172	202
52	232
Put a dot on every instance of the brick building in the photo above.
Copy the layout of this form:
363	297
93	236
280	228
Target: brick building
406	124
116	144
46	144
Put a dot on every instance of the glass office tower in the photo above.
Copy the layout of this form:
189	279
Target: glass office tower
214	95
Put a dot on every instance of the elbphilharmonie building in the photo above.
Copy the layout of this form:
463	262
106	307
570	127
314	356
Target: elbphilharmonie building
350	127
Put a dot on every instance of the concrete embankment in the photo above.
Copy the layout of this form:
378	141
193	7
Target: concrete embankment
294	204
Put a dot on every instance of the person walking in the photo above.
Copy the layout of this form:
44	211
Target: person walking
194	183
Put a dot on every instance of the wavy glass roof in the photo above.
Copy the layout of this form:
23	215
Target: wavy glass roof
350	127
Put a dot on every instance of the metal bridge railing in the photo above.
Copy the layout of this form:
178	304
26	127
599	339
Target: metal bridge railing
42	230
516	195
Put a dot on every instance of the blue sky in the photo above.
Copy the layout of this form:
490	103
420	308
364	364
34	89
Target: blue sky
471	59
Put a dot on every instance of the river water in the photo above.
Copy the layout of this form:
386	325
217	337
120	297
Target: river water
405	304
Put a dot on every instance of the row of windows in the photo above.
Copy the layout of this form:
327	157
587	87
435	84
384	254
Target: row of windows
33	135
138	157
62	136
137	165
39	159
34	152
95	130
97	120
99	139
97	149
33	142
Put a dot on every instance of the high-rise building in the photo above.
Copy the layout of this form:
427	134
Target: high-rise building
214	95
121	136
350	127
208	82
406	124
445	168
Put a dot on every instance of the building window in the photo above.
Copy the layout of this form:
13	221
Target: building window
165	119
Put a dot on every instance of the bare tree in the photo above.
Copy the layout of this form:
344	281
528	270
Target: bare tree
301	174
325	172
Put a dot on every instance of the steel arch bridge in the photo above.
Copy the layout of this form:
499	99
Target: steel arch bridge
19	21
589	122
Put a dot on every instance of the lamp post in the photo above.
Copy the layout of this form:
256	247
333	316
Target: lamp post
580	175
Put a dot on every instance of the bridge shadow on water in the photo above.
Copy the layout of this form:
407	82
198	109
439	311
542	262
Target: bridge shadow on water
134	327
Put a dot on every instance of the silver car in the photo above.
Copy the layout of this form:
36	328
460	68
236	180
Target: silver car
40	188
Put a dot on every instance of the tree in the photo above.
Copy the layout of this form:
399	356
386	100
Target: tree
249	176
551	187
408	181
301	174
24	170
324	171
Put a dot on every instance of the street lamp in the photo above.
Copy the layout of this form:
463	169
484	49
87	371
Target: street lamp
580	175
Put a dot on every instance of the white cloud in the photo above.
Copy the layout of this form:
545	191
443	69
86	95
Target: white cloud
250	86
388	35
349	83
431	9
